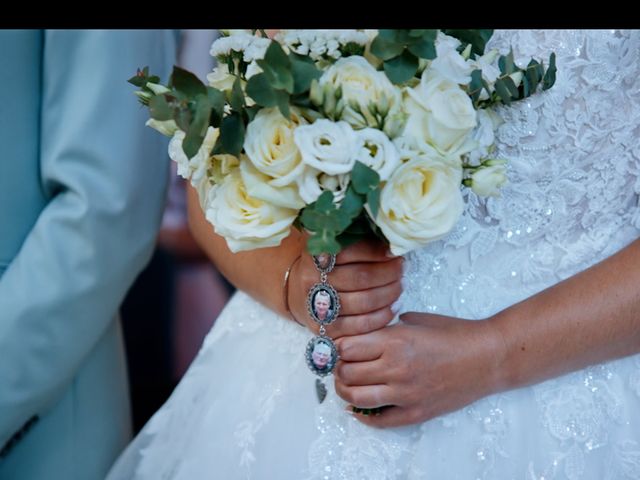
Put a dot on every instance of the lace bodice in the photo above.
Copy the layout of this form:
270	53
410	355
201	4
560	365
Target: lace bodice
574	159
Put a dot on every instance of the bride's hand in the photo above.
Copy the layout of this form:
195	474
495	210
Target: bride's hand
367	281
421	368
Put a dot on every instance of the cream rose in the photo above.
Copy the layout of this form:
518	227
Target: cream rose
439	112
218	167
362	86
327	146
420	203
378	152
269	144
246	222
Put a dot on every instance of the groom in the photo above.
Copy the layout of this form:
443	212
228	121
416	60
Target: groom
81	193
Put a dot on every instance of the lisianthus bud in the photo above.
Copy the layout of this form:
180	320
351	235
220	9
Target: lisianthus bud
486	181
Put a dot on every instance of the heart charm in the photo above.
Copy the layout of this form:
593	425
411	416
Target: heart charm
321	390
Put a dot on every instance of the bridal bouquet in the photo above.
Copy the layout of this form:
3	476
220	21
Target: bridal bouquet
341	133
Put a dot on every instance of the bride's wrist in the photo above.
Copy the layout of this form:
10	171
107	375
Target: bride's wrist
285	290
502	376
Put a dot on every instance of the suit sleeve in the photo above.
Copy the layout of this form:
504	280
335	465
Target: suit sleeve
105	174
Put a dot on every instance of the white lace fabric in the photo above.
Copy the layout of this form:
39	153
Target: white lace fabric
247	409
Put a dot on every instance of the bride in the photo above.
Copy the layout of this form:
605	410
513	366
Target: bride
516	356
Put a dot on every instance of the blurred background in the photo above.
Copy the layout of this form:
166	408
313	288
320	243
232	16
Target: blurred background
174	302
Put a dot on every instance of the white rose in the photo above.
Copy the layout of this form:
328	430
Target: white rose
313	182
420	203
269	144
327	146
196	166
378	152
362	86
487	181
263	187
449	63
245	222
218	167
439	112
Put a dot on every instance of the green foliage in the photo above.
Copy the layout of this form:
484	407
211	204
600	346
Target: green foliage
506	90
477	38
401	51
285	80
232	132
364	179
332	226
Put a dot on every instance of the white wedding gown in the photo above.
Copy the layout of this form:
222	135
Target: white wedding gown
247	407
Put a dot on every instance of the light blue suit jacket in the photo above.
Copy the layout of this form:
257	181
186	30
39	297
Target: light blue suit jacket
82	185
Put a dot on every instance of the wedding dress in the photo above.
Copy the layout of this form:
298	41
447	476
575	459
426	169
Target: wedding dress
247	407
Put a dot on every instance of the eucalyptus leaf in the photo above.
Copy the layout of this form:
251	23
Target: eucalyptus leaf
276	67
183	118
351	205
401	68
282	100
475	86
506	63
478	38
198	127
236	99
186	82
364	179
232	134
304	72
259	89
159	108
323	242
424	48
550	76
385	49
534	74
502	91
216	100
511	86
373	199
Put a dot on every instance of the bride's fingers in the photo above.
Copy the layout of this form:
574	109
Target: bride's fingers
363	276
361	373
360	348
369	396
366	301
364	251
359	324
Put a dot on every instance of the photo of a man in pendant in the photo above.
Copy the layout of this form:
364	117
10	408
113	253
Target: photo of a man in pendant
323	306
321	355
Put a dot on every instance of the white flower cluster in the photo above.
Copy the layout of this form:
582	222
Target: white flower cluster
420	137
251	46
319	44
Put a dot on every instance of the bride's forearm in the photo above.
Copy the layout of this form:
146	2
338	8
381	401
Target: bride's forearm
257	272
589	318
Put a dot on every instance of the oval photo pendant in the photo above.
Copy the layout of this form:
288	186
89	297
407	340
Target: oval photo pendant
323	303
321	355
324	262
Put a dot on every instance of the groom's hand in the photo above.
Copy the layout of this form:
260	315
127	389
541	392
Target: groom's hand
367	280
421	368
